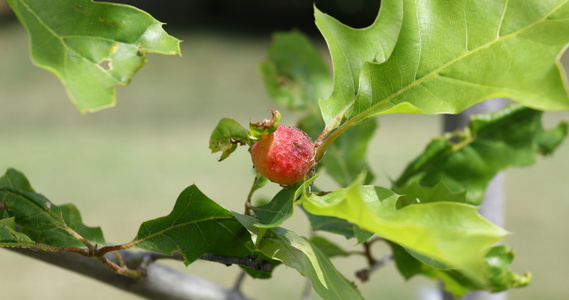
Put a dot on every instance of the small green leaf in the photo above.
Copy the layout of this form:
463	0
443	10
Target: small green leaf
501	277
328	248
299	253
11	238
226	136
362	235
294	73
265	127
452	233
196	226
91	46
512	136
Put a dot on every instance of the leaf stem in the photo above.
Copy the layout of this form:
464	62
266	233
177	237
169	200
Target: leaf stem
321	145
248	204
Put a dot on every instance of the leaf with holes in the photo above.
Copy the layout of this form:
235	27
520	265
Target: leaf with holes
91	46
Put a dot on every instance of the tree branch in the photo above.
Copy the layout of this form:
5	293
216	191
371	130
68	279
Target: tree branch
160	283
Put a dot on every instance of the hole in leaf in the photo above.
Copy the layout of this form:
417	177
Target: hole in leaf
106	64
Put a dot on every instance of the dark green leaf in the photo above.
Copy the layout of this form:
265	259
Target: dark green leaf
196	226
9	237
40	219
91	46
15	179
513	136
226	136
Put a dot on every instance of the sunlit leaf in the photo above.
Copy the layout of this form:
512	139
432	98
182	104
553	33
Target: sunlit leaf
92	47
452	233
350	48
450	55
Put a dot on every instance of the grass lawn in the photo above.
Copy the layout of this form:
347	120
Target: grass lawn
126	165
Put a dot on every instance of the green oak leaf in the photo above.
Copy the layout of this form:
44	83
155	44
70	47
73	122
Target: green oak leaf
226	136
40	219
196	226
513	136
294	72
452	233
299	253
450	55
92	47
350	48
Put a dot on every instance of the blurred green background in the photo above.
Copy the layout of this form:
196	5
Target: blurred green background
127	164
